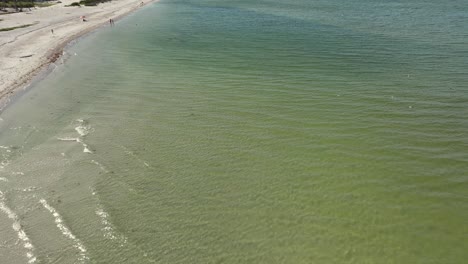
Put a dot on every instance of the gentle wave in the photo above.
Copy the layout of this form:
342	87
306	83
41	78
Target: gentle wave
83	130
17	227
133	155
66	231
108	227
86	148
100	166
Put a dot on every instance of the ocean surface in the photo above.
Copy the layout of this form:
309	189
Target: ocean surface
268	131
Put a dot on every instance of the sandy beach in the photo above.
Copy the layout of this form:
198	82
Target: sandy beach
24	52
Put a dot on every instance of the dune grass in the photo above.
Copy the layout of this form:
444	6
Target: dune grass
45	4
11	4
22	4
13	28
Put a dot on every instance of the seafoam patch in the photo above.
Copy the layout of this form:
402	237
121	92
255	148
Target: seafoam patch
86	148
83	129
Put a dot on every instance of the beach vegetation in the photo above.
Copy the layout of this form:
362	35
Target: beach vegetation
88	2
93	2
13	28
16	5
19	5
45	4
74	4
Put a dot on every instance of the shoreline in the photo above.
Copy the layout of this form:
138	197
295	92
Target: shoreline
27	53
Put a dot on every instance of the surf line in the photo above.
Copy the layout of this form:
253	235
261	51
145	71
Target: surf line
22	236
66	231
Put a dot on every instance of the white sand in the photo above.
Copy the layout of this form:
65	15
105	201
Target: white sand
37	40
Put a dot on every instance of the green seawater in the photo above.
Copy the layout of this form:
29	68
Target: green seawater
211	131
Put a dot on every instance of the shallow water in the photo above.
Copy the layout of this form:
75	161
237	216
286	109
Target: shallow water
237	132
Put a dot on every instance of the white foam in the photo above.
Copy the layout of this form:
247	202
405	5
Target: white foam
87	150
85	146
82	130
68	139
29	189
22	236
108	230
108	227
66	231
4	163
17	173
3	179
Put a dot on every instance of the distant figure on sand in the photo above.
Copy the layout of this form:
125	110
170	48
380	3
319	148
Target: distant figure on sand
52	31
111	22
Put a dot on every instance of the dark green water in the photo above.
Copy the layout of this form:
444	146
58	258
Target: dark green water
246	132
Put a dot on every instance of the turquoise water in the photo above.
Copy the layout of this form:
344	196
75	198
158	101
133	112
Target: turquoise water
246	132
